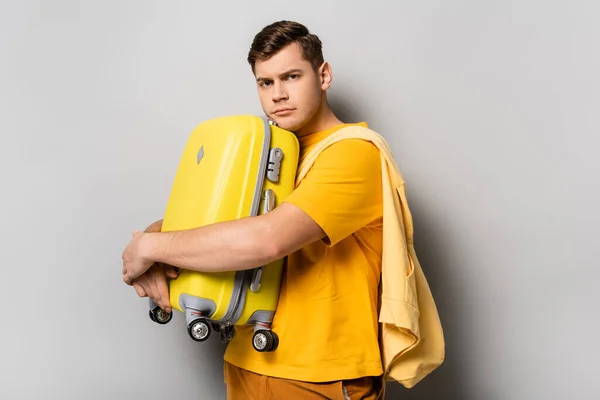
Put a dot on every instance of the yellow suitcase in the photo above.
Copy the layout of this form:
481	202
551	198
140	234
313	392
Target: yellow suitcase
232	167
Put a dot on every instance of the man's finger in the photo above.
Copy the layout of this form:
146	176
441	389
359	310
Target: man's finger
171	271
152	290
158	296
145	288
139	289
163	290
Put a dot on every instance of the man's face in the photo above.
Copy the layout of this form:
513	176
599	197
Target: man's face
290	90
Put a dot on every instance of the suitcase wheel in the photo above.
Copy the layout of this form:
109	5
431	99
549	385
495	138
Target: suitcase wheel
159	316
265	340
199	330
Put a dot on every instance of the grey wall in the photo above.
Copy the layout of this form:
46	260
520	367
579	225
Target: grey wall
491	109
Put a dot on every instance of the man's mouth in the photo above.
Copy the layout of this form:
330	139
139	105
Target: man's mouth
282	111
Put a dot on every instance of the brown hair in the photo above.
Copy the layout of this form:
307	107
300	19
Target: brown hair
274	37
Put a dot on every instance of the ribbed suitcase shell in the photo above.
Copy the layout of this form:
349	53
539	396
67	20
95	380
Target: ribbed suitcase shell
222	176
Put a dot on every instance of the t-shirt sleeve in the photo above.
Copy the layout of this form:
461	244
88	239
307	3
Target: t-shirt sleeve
342	192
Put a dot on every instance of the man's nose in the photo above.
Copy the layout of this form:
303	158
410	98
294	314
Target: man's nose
279	92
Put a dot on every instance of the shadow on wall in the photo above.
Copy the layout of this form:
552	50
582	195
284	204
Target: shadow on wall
435	255
343	108
449	380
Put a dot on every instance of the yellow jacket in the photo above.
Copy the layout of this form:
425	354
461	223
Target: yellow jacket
411	337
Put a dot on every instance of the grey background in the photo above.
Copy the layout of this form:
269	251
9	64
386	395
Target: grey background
491	109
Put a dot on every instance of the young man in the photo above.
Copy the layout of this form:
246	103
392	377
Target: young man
330	229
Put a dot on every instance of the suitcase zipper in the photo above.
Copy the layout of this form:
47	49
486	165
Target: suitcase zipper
239	290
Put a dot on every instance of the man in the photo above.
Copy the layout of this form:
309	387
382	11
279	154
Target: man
330	229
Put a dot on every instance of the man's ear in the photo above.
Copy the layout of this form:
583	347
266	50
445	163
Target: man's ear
325	75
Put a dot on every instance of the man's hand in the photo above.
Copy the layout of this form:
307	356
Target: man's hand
172	272
151	279
135	260
153	284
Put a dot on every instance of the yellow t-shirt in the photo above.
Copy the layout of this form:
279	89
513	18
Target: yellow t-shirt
327	314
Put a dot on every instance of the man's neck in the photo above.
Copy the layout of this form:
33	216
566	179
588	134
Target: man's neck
324	119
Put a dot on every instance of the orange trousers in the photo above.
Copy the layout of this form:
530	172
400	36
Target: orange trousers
246	385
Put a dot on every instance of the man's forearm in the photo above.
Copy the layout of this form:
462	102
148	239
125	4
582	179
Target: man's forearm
225	246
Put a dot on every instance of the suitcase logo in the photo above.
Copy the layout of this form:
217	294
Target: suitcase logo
200	155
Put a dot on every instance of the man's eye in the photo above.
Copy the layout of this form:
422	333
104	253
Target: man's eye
265	84
294	76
